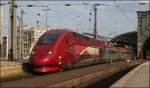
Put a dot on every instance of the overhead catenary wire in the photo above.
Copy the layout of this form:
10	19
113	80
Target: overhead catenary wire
33	5
123	13
75	20
71	19
82	4
58	12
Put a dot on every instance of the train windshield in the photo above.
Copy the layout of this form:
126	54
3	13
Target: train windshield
48	38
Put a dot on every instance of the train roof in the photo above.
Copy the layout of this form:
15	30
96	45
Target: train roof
118	48
67	30
58	30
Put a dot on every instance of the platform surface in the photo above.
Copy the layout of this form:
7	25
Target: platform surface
8	63
137	78
9	69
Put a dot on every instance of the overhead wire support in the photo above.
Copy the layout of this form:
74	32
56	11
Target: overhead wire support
95	16
12	37
2	4
95	21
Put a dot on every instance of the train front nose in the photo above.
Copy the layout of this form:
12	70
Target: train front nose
39	61
42	60
44	64
41	55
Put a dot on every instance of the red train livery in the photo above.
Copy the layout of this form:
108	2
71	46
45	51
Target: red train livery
59	49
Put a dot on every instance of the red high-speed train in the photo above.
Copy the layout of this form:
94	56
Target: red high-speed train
60	49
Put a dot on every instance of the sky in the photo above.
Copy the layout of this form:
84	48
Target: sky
113	17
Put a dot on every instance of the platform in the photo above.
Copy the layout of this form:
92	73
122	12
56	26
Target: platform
9	69
8	63
137	78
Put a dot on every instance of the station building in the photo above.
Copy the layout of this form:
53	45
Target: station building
139	40
143	34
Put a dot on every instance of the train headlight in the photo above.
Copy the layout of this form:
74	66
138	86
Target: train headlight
59	63
32	52
49	52
59	57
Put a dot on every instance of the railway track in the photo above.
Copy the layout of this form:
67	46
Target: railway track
55	78
108	80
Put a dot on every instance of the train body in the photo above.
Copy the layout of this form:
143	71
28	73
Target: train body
59	49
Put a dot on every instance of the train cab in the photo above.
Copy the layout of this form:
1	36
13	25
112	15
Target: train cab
54	48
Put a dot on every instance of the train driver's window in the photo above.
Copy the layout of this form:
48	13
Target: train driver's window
47	39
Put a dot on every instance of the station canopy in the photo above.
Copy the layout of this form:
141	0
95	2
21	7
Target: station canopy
129	39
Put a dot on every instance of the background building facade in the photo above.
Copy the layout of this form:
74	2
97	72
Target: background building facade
143	31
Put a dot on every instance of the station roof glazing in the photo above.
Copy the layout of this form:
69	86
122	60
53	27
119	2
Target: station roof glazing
129	38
